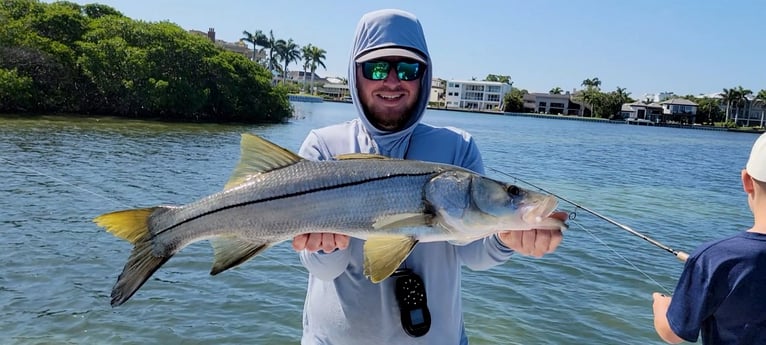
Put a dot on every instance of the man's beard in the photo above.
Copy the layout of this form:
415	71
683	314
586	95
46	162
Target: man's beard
385	123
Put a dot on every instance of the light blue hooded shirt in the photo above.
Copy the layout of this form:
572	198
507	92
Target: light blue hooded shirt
342	306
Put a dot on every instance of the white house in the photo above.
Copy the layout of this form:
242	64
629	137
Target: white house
639	112
679	110
476	95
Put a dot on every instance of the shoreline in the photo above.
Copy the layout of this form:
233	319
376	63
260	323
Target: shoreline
591	119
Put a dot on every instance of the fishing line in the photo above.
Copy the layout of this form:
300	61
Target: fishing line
624	258
112	200
677	253
65	183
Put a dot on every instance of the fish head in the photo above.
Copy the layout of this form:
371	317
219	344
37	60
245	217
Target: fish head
470	206
509	207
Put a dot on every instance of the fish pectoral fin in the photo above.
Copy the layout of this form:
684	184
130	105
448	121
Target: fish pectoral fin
129	225
347	156
384	253
258	156
403	220
232	251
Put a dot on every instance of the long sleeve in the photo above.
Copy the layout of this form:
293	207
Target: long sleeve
484	254
326	266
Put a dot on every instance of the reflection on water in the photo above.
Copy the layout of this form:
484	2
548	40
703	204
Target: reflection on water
680	187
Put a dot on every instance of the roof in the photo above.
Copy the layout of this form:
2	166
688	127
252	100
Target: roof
630	106
678	101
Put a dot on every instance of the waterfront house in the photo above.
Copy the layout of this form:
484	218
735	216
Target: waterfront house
334	88
236	47
555	104
438	91
476	95
642	113
679	110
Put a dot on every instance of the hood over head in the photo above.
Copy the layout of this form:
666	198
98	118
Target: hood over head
390	33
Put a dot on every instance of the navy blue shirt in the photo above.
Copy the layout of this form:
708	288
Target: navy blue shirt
720	293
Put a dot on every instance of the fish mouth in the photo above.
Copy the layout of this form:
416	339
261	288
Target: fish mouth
540	211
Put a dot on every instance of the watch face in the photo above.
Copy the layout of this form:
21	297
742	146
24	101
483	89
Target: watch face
416	316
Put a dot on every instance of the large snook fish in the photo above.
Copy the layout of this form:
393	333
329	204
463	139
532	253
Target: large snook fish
274	195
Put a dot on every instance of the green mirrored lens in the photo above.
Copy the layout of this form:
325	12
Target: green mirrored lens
407	71
377	70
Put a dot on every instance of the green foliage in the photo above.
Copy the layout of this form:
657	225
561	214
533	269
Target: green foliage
498	78
605	105
708	110
15	91
64	57
514	100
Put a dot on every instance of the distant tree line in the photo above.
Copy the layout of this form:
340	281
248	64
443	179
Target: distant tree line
736	101
90	59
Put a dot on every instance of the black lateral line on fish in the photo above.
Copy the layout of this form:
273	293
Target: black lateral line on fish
347	184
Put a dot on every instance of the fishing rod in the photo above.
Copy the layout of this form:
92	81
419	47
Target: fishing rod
677	253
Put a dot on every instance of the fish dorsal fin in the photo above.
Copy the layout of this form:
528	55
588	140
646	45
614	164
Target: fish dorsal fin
258	156
384	253
347	156
232	251
403	220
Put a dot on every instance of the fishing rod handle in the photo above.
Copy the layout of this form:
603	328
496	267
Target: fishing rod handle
682	255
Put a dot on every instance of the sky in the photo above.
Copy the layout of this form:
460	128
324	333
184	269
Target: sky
647	46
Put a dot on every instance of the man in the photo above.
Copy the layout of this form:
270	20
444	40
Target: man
720	291
390	80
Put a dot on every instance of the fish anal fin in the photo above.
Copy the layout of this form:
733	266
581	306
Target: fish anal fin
232	251
347	156
384	253
402	220
258	156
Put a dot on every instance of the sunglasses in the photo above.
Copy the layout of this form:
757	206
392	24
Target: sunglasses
405	70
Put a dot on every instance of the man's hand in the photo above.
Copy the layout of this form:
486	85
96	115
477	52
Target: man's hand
534	242
325	241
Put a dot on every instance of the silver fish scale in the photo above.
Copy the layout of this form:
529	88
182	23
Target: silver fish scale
345	196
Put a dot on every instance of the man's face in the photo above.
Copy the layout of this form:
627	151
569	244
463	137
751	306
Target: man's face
388	102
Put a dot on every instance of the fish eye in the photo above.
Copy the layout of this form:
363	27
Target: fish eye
513	190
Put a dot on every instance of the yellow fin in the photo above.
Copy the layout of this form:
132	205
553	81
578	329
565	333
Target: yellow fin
403	220
129	225
384	253
232	251
346	156
258	156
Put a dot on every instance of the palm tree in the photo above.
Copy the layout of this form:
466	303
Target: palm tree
271	43
316	56
258	38
288	51
588	83
741	100
760	98
728	96
306	52
556	91
591	85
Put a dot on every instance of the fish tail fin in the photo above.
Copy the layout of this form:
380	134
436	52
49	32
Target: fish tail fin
133	226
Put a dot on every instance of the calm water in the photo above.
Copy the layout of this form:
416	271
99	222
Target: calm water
678	186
